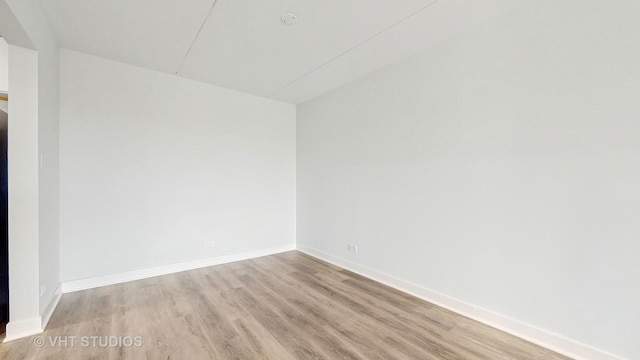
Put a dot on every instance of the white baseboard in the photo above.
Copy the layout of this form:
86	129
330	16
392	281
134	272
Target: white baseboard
94	282
544	338
23	328
53	303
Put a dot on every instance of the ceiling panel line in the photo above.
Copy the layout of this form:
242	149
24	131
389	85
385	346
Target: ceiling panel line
353	48
196	37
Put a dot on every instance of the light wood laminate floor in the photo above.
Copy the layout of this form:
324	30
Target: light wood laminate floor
286	306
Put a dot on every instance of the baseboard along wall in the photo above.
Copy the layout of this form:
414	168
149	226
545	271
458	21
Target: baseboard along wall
558	343
94	282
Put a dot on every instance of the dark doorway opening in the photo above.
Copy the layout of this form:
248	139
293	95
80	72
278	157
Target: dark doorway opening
4	236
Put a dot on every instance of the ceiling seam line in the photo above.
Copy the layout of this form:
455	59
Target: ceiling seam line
352	48
196	37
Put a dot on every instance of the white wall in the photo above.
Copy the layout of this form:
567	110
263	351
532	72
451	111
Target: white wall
11	29
48	139
23	194
33	22
152	166
500	169
4	66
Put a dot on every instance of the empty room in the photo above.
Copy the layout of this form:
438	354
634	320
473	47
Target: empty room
337	179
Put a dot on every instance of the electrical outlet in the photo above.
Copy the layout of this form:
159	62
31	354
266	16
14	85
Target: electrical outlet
43	288
209	244
353	248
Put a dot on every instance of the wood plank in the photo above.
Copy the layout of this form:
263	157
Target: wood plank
285	306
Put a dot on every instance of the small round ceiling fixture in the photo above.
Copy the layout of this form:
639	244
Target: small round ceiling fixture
289	19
